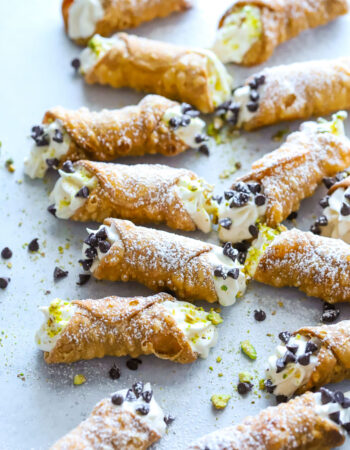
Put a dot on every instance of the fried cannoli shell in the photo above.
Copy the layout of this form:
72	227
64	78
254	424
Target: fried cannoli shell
289	425
301	90
123	14
333	357
117	326
282	20
293	172
159	260
317	265
142	193
109	427
109	134
146	65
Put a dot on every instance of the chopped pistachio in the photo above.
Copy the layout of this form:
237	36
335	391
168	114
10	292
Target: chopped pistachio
214	317
218	359
245	377
278	137
79	379
9	165
220	401
220	374
248	349
262	385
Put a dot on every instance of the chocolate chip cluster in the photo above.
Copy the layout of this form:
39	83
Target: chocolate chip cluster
222	272
136	392
328	396
42	139
95	241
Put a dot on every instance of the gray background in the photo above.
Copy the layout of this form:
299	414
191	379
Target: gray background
35	75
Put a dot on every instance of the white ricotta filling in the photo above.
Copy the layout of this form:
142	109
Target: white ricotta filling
193	322
97	47
338	226
57	316
241	96
83	16
332	407
240	31
35	165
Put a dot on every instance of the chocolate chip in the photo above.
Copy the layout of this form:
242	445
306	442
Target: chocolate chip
324	202
339	397
345	210
346	403
280	365
41	140
315	229
217	199
58	273
260	200
233	273
254	96
185	107
253	84
230	252
224	105
284	336
168	419
90	252
174	122
130	396
239	199
347	195
269	386
185	121
52	163
322	221
83	279
204	149
199	138
288	357
83	192
252	106
104	246
244	388
147	396
91	240
33	245
68	167
293	215
117	399
143	410
75	63
133	363
6	253
335	417
346	426
58	136
259	315
304	359
242	246
137	388
330	313
228	195
329	181
219	272
241	187
4	281
242	256
86	263
37	130
311	347
253	230
102	234
52	210
281	399
114	372
292	348
327	396
225	223
254	187
260	80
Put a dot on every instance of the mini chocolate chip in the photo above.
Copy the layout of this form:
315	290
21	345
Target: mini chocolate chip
259	315
225	223
324	202
174	122
254	187
68	167
241	187
37	130
239	199
289	357
260	200
41	140
102	234
58	273
75	63
281	399
83	279
292	348
253	84
58	136
204	149
217	199
52	210
244	388
311	347
86	263
4	281
346	403
137	388
130	396
327	396
346	426
230	252
104	246
339	397
330	313
91	240
52	163
133	363
90	252
83	192
254	96
269	386
6	253
345	210
185	107
260	80
185	121
253	230
147	396
114	372
347	195
225	105
293	215
199	138
219	272
315	229
242	246
280	365
284	336
233	273
168	419
322	221
117	399
252	106
228	194
329	181
143	410
242	256
33	245
304	359
335	417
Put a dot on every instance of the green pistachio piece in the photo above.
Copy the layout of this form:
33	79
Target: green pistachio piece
245	377
220	401
214	317
248	349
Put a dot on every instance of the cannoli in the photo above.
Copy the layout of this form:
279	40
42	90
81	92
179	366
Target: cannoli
309	358
317	265
193	270
142	192
116	326
191	75
155	125
250	30
130	419
312	421
335	219
277	183
289	92
84	18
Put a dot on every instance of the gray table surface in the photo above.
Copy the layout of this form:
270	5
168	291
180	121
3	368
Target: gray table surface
38	404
